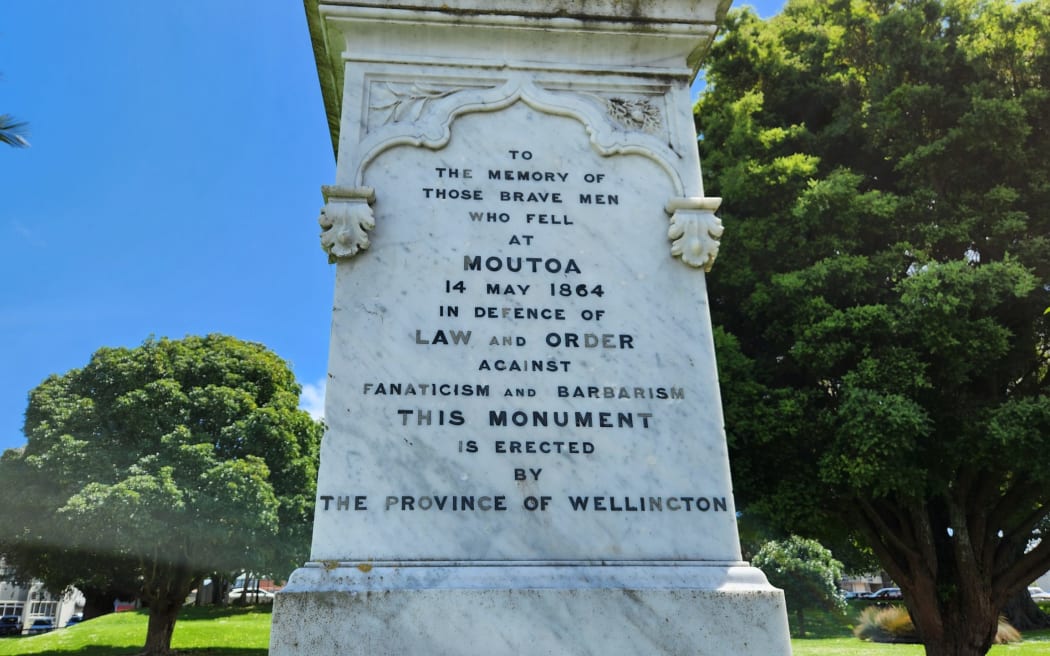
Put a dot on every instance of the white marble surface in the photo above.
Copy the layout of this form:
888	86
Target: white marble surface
659	41
652	339
635	11
521	234
490	611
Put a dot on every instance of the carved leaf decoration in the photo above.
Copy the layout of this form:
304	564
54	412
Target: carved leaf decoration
383	97
344	227
695	235
402	103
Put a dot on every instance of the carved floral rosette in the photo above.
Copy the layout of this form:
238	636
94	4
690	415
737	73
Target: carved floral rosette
640	114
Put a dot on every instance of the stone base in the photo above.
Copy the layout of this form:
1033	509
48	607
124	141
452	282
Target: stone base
706	609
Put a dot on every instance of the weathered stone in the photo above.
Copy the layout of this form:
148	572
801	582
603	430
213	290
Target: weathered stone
525	451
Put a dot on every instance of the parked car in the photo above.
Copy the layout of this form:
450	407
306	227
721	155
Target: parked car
1038	594
251	596
10	625
854	595
74	619
41	625
886	594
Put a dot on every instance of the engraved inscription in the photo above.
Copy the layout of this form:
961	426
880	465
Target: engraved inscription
526	393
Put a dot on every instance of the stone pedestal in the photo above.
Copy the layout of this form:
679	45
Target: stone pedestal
525	451
460	609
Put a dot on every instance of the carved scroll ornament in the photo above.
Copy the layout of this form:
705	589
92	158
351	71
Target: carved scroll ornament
346	220
695	230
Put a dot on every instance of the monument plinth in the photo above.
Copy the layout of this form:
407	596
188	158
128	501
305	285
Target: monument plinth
525	451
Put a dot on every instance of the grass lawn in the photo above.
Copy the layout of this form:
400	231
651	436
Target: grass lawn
199	632
246	632
831	634
1037	643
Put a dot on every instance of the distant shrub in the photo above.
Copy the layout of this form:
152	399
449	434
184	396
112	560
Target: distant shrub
1006	633
893	624
888	624
807	573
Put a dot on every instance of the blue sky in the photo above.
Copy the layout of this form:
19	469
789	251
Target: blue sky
172	186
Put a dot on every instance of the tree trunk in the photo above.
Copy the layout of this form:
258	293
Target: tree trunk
96	603
162	616
951	630
219	584
966	640
1024	614
953	567
800	614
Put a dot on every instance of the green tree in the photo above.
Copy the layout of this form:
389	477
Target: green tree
881	287
806	571
161	464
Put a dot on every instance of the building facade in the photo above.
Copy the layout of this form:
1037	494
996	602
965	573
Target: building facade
31	601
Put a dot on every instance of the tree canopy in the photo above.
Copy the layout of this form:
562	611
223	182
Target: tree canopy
152	467
882	287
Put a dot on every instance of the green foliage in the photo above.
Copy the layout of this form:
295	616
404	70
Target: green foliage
883	280
805	570
155	466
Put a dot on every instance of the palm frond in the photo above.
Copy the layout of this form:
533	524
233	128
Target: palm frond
13	132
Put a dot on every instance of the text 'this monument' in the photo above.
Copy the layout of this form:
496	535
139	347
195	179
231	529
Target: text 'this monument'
525	451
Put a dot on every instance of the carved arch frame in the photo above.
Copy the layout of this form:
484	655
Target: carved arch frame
620	117
433	127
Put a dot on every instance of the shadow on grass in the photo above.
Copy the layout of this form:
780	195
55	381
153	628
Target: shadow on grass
114	651
210	612
825	623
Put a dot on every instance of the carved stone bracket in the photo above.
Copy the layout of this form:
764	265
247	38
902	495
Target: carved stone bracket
695	230
345	220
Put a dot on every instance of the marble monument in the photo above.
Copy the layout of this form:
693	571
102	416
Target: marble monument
525	450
